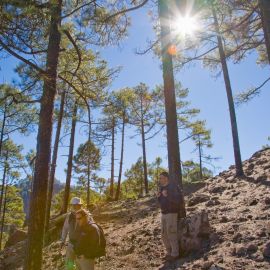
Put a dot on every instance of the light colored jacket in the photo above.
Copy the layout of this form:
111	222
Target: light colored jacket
69	227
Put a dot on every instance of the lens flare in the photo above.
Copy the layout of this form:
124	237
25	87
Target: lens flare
185	25
172	50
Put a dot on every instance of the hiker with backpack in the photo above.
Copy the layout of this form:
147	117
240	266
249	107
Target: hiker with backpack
169	200
69	230
90	241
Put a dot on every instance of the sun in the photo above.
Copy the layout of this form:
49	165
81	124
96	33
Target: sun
185	25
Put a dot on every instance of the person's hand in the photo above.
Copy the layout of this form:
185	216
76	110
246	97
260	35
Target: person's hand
158	194
62	244
164	193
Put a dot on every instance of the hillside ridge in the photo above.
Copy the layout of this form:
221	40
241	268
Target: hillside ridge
238	210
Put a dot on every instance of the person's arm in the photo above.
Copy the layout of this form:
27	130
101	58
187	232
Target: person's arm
65	229
159	195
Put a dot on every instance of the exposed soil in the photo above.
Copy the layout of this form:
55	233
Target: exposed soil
238	210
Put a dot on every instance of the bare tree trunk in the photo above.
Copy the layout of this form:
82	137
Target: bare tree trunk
200	157
3	129
144	153
3	183
70	159
88	160
126	189
236	145
141	182
121	161
265	14
54	159
145	176
112	160
33	258
170	103
157	179
88	187
3	217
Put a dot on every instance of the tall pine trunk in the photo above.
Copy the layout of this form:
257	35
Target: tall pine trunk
70	159
33	258
144	158
200	157
141	183
54	159
112	160
170	103
265	14
3	128
88	158
117	194
88	186
236	145
3	216
3	183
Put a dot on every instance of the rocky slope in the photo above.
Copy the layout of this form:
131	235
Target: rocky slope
238	210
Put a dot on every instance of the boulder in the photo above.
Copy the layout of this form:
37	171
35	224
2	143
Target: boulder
251	166
252	248
240	251
217	189
261	178
224	219
198	198
253	201
266	251
193	231
267	200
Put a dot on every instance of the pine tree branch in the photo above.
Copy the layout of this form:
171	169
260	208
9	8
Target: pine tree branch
125	11
22	58
247	96
77	9
76	48
157	132
143	52
242	21
197	57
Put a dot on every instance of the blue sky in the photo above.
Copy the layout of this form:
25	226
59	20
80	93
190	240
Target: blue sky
206	93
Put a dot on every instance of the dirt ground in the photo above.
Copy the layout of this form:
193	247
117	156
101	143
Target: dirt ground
238	210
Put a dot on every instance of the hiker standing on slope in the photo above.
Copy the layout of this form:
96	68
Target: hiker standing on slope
169	200
90	242
69	229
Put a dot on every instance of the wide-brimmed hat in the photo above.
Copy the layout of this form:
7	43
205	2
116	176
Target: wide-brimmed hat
76	200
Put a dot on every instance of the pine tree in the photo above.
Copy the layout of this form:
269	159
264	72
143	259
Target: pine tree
106	24
144	117
87	153
122	102
11	162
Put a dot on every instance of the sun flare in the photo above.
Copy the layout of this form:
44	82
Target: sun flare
185	25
